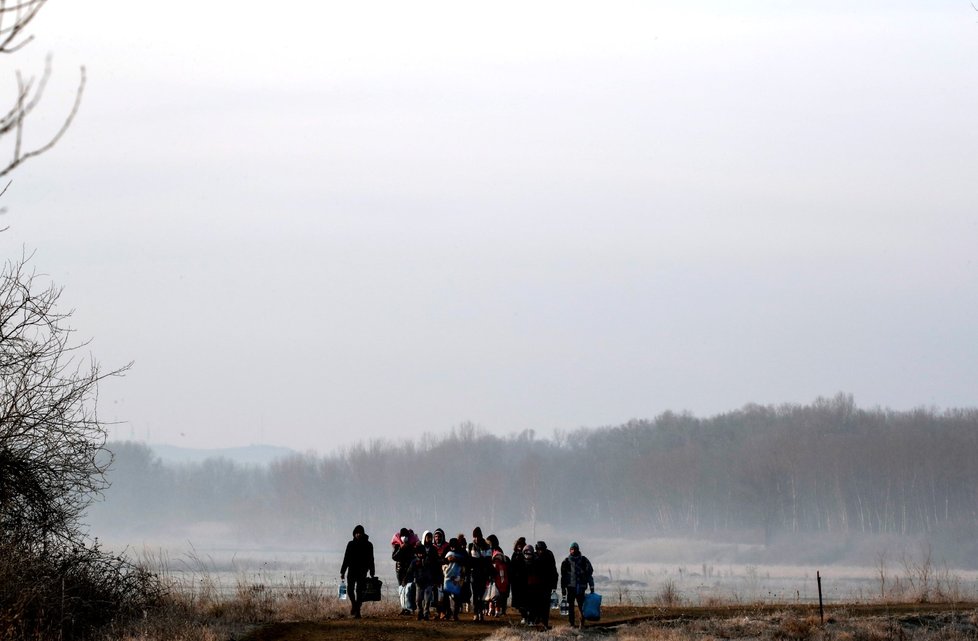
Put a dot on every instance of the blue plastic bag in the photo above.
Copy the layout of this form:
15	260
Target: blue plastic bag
452	587
592	607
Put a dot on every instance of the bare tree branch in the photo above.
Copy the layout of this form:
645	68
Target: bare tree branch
52	456
14	19
27	101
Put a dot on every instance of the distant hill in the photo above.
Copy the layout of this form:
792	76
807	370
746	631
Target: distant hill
250	454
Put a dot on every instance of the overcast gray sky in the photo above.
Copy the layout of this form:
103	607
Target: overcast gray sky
320	222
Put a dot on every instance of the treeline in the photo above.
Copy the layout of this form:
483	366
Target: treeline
760	474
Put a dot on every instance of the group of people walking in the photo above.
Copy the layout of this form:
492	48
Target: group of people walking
438	576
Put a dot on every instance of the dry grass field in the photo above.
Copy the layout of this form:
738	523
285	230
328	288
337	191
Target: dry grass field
310	617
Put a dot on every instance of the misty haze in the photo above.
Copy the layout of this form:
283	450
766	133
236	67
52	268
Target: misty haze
692	284
817	485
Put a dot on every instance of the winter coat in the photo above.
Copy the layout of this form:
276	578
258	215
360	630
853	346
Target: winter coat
479	565
402	557
536	574
576	574
418	574
453	572
517	579
425	569
500	573
549	568
359	557
433	559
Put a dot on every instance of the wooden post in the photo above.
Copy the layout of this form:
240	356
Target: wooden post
821	608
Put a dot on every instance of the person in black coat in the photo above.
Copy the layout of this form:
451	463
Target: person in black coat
548	568
358	560
536	597
517	577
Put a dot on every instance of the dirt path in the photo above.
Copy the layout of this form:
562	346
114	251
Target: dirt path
376	629
394	628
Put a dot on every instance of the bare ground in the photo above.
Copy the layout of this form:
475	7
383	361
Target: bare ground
855	622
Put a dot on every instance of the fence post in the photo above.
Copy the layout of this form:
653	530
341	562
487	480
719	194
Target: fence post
821	608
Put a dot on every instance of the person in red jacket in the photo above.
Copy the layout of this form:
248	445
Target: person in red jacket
498	586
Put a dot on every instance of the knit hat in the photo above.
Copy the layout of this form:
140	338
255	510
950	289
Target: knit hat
575	546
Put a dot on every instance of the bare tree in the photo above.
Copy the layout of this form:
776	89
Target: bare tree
52	455
14	18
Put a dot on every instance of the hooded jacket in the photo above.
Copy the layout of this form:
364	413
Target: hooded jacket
359	556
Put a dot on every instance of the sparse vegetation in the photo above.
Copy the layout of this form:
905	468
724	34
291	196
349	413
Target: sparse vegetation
668	595
70	592
208	600
784	626
54	581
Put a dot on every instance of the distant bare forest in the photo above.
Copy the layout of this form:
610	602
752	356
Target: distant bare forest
828	472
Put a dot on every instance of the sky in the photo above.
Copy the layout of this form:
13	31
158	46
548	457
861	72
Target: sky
318	223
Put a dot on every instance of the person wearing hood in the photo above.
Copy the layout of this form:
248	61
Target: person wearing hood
536	597
480	555
461	548
517	577
358	561
576	576
402	553
441	547
439	541
503	597
454	571
498	588
427	575
547	567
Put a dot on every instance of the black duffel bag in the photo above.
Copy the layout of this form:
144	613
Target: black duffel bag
371	588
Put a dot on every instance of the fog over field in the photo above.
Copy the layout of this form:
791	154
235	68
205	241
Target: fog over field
826	483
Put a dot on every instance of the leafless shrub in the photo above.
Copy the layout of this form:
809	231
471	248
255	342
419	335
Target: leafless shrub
947	586
52	454
52	463
668	595
881	573
919	574
69	592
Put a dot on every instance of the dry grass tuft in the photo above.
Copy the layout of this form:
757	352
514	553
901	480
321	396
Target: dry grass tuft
796	628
